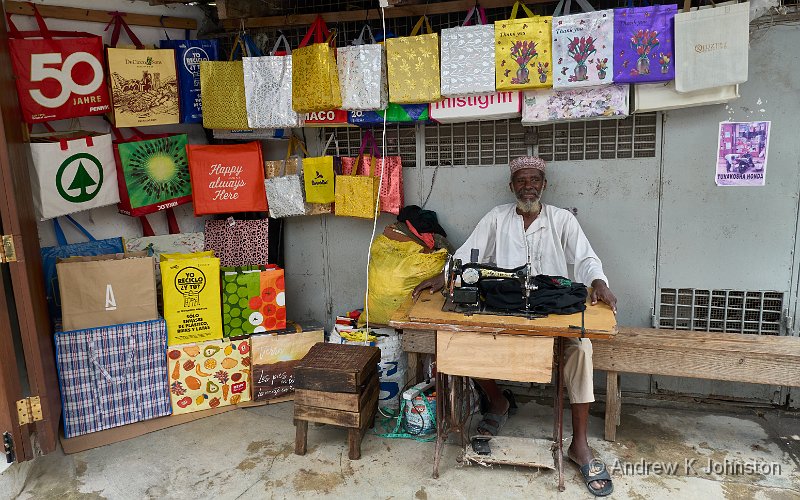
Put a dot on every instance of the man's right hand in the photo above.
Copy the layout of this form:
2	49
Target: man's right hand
435	284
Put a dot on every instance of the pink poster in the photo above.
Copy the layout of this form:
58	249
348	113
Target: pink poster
742	153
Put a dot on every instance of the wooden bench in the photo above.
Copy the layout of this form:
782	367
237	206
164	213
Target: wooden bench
755	359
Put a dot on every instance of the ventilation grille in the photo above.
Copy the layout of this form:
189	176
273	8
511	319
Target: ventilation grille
474	144
733	311
632	137
400	141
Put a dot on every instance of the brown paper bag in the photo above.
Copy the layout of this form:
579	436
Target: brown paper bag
107	290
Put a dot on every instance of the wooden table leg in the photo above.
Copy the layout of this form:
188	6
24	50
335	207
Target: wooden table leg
354	435
441	429
558	410
301	434
613	405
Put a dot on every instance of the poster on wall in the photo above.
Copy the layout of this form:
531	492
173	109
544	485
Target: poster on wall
742	153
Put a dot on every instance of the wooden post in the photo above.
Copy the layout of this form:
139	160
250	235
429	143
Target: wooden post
613	405
354	440
301	434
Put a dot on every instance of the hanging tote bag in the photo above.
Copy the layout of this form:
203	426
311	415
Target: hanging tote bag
467	64
362	74
285	190
523	51
43	63
391	167
643	43
144	82
268	89
192	308
712	47
663	96
112	376
314	70
583	47
152	172
222	88
188	55
292	165
358	195
238	242
413	66
72	172
62	250
318	177
227	178
547	106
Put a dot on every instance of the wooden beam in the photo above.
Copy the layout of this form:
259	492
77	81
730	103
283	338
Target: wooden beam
360	15
238	9
99	16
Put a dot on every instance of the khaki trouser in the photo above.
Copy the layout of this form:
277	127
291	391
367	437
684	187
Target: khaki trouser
578	371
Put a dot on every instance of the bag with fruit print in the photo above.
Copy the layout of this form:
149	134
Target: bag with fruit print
583	47
209	375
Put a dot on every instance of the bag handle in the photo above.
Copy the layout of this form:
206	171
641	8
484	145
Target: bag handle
327	144
61	239
320	31
360	39
44	31
586	6
246	44
369	139
172	224
294	142
515	9
480	15
285	45
418	26
95	359
117	19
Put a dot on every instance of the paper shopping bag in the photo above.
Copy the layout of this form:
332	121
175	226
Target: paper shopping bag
314	70
188	55
468	57
523	51
43	63
152	172
583	47
644	44
112	375
413	66
144	82
106	290
208	375
227	178
72	172
191	297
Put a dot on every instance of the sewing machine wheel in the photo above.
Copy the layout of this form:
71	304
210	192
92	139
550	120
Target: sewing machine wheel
470	275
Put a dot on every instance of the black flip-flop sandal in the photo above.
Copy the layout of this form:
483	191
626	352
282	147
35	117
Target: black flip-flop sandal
596	471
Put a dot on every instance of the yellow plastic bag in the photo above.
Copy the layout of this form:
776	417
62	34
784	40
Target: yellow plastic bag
315	76
413	64
192	304
523	51
395	269
222	92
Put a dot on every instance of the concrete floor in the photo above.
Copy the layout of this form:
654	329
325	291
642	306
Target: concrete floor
248	453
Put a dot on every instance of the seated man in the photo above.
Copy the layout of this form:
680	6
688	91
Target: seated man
549	238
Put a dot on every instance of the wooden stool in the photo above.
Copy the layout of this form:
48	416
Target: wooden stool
337	384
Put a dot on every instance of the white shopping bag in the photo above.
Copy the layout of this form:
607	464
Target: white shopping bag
711	47
362	74
73	172
268	90
543	106
467	61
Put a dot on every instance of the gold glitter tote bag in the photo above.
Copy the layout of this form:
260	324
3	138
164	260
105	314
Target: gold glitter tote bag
315	78
222	89
413	64
357	195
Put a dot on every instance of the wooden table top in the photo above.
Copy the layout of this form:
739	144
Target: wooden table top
426	314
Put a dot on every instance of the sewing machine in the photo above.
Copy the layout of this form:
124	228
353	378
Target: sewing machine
462	289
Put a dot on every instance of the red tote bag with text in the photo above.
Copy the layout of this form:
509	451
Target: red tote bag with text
59	74
227	178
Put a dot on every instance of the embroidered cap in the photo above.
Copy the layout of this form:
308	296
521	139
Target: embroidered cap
524	162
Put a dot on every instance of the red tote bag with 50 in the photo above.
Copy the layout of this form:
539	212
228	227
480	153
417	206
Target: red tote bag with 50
227	178
59	74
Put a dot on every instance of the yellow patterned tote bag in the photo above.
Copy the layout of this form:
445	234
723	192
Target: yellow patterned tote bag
315	78
222	89
357	195
523	58
414	66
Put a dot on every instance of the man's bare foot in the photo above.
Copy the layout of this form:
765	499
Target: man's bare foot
581	454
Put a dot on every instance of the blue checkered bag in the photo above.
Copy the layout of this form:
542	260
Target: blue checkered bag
112	375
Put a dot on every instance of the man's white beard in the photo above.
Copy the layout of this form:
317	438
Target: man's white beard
529	207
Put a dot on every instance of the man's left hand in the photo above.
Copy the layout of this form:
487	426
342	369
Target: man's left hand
601	292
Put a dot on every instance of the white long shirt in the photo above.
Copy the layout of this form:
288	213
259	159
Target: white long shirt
553	240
